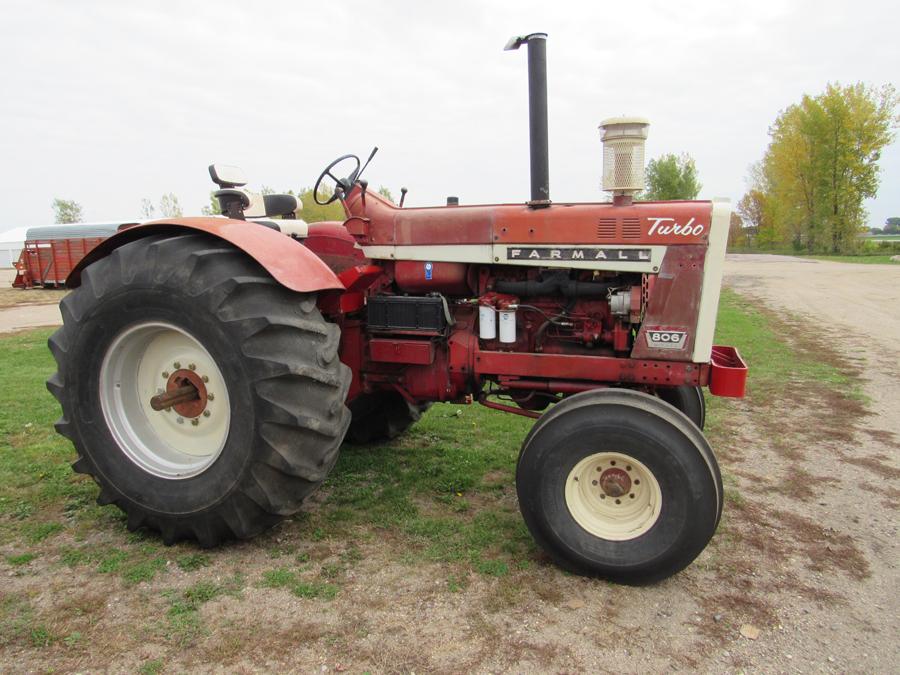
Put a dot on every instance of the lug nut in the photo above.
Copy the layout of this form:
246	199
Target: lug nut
195	422
206	414
192	366
166	374
205	378
210	397
177	365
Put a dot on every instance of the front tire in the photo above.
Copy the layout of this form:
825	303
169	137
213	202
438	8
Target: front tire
267	417
615	483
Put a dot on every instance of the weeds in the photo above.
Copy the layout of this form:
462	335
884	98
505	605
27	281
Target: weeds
20	560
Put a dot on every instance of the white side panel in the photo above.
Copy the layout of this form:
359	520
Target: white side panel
498	254
591	261
469	253
712	281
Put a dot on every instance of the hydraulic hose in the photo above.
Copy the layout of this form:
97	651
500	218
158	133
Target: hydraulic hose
557	285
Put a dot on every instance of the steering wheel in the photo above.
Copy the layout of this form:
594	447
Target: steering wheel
344	183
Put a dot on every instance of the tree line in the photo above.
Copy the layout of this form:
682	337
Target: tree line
807	192
69	211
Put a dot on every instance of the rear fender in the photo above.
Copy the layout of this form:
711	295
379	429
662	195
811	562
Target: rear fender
289	262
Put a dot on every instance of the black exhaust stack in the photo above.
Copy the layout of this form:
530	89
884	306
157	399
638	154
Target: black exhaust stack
537	115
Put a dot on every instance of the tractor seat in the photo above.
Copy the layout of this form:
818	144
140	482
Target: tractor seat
281	205
255	205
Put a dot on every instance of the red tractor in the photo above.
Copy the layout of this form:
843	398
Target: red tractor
210	368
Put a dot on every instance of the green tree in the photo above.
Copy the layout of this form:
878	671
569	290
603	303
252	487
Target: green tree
891	226
169	206
755	212
822	163
213	208
67	211
315	213
386	193
739	235
671	177
147	209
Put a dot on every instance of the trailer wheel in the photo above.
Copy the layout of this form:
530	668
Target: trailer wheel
381	416
614	483
687	399
250	369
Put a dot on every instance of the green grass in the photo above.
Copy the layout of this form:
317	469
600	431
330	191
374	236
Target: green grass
192	561
185	624
859	259
153	667
20	560
862	258
760	337
783	357
283	577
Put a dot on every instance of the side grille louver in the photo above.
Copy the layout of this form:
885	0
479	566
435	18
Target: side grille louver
612	229
606	228
631	228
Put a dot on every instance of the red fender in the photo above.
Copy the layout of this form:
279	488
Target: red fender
289	262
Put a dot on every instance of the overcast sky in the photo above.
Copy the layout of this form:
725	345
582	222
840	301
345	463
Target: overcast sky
107	103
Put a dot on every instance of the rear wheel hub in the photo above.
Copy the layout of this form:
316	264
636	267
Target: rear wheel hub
164	400
196	398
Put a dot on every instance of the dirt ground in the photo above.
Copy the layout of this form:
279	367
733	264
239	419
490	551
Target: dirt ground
802	576
853	310
856	306
26	308
29	316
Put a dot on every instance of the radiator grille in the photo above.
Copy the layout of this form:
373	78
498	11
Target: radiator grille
631	228
606	228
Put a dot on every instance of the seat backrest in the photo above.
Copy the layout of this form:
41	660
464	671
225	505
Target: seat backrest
281	205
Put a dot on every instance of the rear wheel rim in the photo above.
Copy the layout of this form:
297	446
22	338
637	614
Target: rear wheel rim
151	358
613	496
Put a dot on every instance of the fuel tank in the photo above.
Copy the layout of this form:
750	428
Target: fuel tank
448	278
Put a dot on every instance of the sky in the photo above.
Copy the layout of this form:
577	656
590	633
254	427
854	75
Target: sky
108	103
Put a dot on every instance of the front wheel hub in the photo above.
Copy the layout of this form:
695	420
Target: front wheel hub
615	482
613	496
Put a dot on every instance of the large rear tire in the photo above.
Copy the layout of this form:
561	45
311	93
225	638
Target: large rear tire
266	423
616	483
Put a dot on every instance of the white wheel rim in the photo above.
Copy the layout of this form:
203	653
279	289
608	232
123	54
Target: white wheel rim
613	496
137	366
